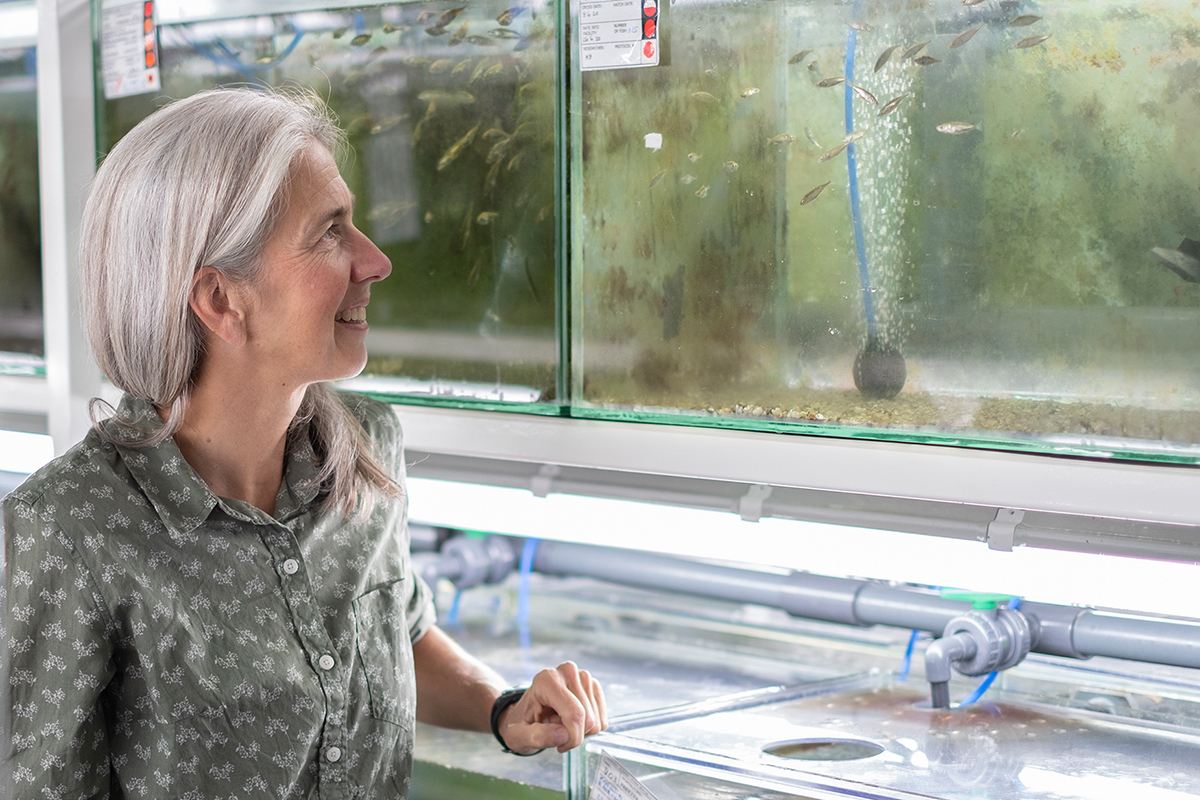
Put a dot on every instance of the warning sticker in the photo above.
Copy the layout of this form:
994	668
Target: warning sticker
615	34
128	47
614	782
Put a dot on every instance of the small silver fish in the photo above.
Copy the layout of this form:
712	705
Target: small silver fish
448	16
435	30
694	157
480	41
912	51
505	33
863	94
861	26
1032	41
925	61
712	73
455	149
971	2
808	134
782	138
813	66
965	37
885	56
340	32
731	166
956	127
750	92
264	59
702	192
440	66
892	105
424	17
796	59
1017	132
853	136
360	40
687	179
704	97
461	67
1023	21
834	153
458	35
813	194
656	180
486	217
825	83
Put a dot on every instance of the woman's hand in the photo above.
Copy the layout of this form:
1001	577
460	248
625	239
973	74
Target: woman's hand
559	708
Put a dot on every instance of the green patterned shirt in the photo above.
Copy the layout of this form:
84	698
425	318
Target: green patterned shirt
168	643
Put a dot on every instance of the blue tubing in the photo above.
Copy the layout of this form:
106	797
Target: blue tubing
906	664
860	246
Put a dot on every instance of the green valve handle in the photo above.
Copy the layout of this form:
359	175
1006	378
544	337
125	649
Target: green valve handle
980	601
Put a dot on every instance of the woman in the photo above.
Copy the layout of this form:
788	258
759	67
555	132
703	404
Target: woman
212	595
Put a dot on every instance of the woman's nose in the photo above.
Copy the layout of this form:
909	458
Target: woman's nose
370	263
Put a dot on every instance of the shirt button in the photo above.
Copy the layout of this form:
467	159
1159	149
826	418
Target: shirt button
334	754
291	566
326	662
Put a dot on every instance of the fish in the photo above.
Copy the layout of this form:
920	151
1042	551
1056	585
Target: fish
514	162
481	41
493	70
417	61
264	59
965	37
825	83
885	56
912	51
731	166
360	40
808	134
458	35
694	157
656	180
750	92
863	94
834	153
813	66
1023	21
461	67
494	134
712	73
861	26
440	66
504	33
925	61
432	96
1016	132
340	32
853	136
971	2
424	17
702	192
1032	41
892	105
389	123
506	16
687	179
478	71
813	194
486	217
489	183
449	15
456	149
704	97
388	214
956	127
388	27
435	30
782	138
796	59
378	51
1184	260
524	129
498	150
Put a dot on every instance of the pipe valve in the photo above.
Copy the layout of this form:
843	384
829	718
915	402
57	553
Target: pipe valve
985	639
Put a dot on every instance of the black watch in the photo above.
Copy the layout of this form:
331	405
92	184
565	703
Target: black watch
506	699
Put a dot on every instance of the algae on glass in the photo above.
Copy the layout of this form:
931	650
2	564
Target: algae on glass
450	112
948	222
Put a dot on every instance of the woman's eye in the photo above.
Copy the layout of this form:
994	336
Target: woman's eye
330	233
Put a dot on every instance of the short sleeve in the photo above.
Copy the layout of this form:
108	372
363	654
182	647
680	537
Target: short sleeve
59	662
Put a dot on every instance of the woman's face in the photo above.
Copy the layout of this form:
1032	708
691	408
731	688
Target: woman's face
307	318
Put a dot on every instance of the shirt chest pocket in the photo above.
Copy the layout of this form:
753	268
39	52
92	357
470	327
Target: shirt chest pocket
385	653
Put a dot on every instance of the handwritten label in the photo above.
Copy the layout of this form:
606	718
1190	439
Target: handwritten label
616	34
129	47
614	782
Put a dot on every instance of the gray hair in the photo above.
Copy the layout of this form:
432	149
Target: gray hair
202	182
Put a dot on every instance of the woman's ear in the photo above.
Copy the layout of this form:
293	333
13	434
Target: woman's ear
218	305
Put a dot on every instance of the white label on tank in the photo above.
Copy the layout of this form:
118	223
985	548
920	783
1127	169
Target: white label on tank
129	47
614	782
615	34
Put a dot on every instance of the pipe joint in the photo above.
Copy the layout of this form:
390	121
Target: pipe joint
1002	639
945	652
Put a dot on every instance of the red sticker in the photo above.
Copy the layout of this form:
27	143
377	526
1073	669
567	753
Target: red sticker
649	28
648	49
148	10
649	8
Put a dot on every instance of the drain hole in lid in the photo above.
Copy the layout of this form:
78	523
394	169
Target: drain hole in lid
823	749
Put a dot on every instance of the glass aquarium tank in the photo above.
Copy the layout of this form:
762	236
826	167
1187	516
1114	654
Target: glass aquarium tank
21	329
451	113
954	222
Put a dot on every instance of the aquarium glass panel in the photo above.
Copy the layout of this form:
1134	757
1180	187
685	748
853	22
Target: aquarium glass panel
21	337
954	222
451	113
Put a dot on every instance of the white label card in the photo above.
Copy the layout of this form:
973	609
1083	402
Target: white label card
616	34
614	782
128	47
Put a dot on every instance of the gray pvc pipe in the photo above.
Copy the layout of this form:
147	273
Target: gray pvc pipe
1058	630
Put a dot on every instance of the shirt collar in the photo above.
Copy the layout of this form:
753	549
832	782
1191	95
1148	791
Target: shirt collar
179	495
